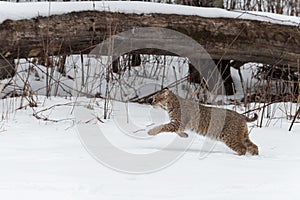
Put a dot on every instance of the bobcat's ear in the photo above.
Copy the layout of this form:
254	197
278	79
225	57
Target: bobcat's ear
166	91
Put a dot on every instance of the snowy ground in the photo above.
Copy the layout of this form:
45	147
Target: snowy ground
46	160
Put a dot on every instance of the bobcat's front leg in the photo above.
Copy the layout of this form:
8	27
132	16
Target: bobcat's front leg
170	127
166	128
156	130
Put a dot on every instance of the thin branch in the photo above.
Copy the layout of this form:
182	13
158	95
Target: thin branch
259	108
294	119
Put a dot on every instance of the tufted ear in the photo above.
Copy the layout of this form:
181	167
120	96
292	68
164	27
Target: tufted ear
165	91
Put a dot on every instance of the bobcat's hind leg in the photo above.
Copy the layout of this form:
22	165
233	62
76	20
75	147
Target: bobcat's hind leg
251	147
237	146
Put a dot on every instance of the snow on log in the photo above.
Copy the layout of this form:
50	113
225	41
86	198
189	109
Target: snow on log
78	32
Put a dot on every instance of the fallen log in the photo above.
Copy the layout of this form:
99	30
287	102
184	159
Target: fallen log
78	32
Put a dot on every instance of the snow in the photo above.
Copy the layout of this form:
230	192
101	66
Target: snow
50	160
138	81
46	160
17	11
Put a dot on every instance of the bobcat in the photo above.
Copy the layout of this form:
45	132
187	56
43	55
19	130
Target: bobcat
220	124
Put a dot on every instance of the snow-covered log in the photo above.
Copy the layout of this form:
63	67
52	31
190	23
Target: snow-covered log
78	32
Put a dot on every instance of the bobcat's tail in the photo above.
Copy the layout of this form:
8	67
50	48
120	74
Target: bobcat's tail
251	119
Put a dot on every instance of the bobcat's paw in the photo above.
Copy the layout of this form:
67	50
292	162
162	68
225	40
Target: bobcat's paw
183	134
153	131
253	150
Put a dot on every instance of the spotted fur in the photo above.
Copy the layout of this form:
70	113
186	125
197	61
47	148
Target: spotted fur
220	124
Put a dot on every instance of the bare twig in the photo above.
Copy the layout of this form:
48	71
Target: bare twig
56	105
145	99
294	119
259	108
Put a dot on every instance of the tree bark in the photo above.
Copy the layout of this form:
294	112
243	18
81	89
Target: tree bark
79	32
224	69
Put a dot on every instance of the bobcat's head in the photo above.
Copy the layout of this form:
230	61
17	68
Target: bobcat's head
161	99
